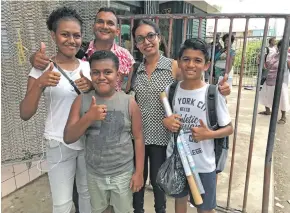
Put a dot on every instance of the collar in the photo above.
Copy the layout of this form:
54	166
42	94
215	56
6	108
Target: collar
93	48
158	66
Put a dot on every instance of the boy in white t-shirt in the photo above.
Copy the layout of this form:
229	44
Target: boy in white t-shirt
189	108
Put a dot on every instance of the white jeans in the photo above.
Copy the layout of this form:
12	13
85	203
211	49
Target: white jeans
61	178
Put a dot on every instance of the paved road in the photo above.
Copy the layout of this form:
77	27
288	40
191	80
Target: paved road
282	167
35	197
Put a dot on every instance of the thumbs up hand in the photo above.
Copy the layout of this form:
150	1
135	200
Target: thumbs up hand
40	60
49	78
201	133
97	112
42	48
224	87
83	83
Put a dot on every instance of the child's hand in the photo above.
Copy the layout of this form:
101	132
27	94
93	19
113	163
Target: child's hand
137	182
83	83
172	123
201	133
224	87
97	112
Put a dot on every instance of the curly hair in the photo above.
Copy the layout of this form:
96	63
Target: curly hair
63	13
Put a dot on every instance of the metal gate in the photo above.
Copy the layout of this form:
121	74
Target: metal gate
248	73
23	29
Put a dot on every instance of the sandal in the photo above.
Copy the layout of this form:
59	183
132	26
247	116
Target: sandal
282	121
264	113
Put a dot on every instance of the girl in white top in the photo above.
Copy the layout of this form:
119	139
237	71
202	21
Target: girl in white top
65	162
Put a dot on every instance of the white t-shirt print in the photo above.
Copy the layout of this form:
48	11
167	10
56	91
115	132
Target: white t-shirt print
58	101
191	105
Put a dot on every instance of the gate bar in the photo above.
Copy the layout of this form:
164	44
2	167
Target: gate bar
274	115
199	27
204	16
185	20
170	37
251	145
213	50
157	21
229	47
237	112
132	39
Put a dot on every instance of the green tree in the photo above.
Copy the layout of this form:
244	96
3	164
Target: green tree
252	52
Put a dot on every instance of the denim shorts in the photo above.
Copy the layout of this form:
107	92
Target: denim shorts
209	197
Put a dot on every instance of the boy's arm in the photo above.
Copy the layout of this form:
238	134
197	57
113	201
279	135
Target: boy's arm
76	125
129	79
204	133
224	121
137	179
222	132
224	87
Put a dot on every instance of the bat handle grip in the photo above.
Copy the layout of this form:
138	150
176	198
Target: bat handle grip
194	190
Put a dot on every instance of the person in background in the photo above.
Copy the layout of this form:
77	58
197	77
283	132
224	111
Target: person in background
218	47
153	75
220	57
270	50
65	162
268	89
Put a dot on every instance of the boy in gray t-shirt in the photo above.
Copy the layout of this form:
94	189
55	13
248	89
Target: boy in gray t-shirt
189	110
106	119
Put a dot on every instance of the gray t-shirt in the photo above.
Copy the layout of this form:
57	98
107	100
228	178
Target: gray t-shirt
108	143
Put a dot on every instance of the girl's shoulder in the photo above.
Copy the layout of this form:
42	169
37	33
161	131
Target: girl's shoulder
85	64
85	68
